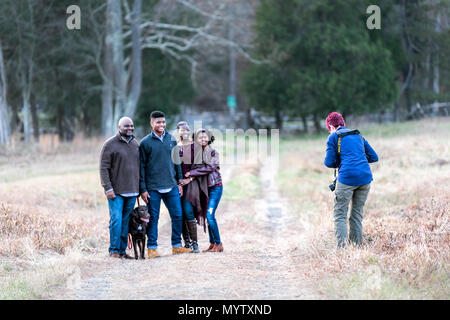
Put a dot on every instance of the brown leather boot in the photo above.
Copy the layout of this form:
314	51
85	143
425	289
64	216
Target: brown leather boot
211	246
186	236
179	250
152	253
192	228
217	248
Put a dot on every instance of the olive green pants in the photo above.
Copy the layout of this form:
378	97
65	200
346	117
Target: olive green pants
343	195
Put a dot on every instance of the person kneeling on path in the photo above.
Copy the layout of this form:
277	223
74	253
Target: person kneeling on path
348	151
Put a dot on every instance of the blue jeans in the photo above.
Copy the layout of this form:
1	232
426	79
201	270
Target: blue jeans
173	203
215	193
120	209
188	209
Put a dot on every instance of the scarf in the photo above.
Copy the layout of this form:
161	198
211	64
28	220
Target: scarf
197	189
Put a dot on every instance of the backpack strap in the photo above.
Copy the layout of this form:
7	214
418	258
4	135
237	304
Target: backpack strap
343	134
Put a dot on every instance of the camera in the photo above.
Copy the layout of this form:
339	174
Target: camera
332	186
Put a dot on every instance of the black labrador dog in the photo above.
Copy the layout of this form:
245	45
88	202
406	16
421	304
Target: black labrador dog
138	229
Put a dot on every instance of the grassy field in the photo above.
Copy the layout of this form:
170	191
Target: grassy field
406	249
53	214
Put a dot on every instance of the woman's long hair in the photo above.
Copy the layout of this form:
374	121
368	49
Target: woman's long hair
211	138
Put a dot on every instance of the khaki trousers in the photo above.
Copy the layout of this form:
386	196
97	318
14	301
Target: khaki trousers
343	195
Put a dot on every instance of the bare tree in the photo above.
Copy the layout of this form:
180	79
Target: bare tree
108	83
436	59
4	119
26	46
119	98
128	28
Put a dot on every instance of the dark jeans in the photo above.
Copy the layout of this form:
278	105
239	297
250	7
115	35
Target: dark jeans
215	193
172	201
120	209
188	209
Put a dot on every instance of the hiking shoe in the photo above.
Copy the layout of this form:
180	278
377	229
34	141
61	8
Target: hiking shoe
114	255
152	253
180	250
195	247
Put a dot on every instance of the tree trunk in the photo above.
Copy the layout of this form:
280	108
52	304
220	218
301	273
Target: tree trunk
249	119
108	85
279	119
5	131
26	77
60	123
26	116
316	123
136	67
116	101
305	124
426	79
120	77
232	57
35	121
436	58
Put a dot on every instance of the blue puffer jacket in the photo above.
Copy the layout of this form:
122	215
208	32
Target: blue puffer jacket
356	154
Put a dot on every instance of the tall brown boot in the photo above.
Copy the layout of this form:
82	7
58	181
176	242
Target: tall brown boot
185	235
192	228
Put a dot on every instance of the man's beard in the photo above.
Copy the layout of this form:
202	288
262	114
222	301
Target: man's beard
126	133
159	130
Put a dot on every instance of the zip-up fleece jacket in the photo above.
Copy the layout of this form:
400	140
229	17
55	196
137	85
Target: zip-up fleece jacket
160	163
356	154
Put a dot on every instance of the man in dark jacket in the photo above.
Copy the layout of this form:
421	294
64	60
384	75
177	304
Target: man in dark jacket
119	175
352	156
160	173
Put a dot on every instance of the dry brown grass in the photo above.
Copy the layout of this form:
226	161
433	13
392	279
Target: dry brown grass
24	230
51	210
406	249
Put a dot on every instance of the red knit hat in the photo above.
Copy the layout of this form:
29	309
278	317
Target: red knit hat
335	119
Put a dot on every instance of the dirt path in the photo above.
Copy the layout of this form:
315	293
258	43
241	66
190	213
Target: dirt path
258	237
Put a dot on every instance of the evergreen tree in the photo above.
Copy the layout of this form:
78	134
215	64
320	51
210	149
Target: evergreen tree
326	57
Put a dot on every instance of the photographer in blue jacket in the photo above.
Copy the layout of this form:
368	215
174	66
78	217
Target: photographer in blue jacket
348	151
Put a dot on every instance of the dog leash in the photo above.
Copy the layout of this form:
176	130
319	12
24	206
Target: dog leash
130	244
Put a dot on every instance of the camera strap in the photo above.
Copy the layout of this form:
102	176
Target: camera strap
340	135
